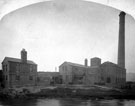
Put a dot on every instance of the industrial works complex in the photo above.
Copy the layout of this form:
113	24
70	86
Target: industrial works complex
23	72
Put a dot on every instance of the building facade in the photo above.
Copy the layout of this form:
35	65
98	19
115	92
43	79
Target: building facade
19	72
113	75
72	73
107	73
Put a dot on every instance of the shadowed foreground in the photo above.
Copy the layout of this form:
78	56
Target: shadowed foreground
76	91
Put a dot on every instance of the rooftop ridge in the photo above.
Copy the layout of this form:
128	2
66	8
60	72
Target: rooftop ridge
17	60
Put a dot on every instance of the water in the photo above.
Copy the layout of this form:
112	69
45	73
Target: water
66	102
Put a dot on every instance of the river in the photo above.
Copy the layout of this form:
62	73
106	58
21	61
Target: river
66	102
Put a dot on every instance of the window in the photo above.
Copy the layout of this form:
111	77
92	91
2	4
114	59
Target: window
18	67
38	79
17	77
31	68
120	80
3	68
108	80
74	68
116	80
30	78
102	78
63	68
6	67
6	77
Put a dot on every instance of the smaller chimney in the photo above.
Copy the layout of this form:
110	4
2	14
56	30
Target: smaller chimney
24	56
86	62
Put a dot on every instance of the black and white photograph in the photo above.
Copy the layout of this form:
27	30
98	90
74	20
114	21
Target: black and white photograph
67	52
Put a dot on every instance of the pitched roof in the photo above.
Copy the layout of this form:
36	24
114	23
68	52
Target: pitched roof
17	60
110	63
75	64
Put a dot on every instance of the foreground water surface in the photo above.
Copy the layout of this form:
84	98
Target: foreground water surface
66	102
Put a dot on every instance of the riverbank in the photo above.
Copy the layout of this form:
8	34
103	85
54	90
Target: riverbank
76	91
66	102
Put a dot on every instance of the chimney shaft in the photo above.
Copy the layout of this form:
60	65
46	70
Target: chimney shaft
86	62
24	56
121	43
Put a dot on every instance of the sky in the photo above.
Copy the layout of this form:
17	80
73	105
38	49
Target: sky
6	6
56	31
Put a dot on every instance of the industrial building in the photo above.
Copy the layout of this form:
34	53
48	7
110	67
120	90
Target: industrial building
48	78
107	73
19	72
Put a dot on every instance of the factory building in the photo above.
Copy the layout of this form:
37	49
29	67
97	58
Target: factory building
107	73
112	75
19	72
72	73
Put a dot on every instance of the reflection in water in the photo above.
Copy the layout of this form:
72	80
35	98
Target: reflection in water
66	102
48	102
18	102
106	103
72	102
91	103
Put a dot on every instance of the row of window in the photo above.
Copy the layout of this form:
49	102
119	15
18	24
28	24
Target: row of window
19	67
118	80
18	77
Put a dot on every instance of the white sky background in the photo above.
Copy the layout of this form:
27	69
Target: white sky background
65	30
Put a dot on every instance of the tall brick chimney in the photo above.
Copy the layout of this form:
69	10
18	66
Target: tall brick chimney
121	43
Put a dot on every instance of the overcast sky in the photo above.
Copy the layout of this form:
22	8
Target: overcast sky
65	30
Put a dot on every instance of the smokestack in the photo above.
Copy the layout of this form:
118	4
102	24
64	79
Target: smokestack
86	62
121	43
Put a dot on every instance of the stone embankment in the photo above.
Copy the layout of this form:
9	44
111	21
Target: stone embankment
76	91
